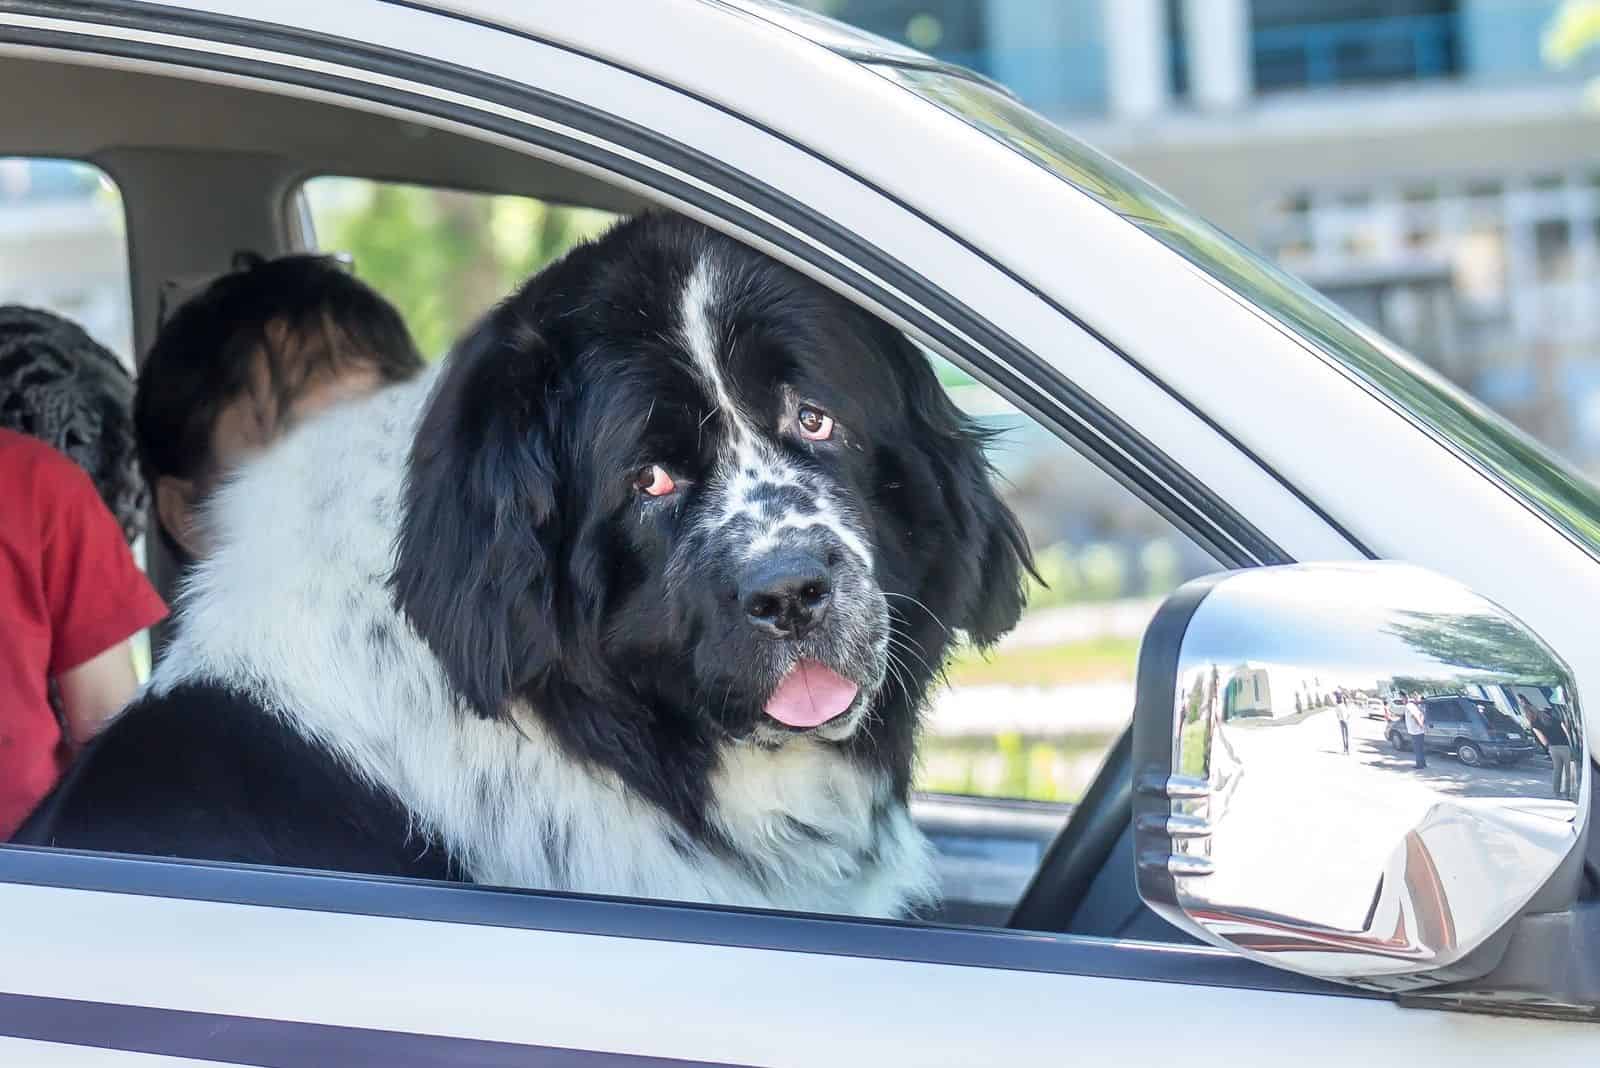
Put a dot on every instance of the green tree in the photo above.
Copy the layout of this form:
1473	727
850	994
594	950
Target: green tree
443	257
1571	34
1484	643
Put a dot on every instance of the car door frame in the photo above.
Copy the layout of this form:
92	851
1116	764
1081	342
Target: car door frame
80	891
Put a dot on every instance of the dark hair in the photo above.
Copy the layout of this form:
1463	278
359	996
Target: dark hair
58	385
302	314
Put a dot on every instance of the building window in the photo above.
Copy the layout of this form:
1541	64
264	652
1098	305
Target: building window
1495	281
1301	45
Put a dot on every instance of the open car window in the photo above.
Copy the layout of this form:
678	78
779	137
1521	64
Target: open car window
388	584
1012	735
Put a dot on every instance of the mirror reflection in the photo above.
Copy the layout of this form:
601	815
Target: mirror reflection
1367	759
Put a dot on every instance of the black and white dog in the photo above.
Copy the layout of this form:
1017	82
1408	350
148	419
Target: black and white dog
640	593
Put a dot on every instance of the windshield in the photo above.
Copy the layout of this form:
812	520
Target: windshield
1524	466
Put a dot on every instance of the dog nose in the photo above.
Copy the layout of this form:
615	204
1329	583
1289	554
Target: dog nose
785	595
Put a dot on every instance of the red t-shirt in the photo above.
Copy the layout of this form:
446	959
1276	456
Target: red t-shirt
69	590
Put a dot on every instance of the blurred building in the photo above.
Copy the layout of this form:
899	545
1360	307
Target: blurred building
62	247
1417	160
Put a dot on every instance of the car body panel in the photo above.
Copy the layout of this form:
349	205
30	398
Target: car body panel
702	1003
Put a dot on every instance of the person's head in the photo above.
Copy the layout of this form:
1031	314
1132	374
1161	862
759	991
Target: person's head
257	351
59	386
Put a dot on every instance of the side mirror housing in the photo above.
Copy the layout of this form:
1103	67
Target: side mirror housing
1362	772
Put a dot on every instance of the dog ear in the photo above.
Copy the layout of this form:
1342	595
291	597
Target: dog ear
474	570
982	584
997	599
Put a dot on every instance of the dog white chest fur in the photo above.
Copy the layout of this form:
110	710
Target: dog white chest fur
292	609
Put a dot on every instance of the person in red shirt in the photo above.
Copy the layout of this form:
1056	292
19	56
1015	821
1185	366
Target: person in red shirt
71	597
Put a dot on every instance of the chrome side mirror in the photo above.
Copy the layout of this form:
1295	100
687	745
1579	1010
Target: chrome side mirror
1362	772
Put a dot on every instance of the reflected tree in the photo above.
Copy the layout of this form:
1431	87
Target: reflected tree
1197	701
1411	684
1476	642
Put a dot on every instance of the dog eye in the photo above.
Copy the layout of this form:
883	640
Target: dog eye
654	481
815	424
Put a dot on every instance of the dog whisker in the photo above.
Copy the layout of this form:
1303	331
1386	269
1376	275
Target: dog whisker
903	644
919	604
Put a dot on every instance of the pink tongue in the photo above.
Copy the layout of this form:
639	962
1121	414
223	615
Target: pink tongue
810	695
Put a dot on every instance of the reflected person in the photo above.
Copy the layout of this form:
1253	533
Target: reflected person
1416	729
1552	734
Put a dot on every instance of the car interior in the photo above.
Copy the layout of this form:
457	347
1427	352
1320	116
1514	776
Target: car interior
206	171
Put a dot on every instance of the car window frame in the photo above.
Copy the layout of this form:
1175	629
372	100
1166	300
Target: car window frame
336	892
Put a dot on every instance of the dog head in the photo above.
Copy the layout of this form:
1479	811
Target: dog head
673	495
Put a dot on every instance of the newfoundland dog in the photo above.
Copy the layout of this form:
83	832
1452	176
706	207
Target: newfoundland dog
640	592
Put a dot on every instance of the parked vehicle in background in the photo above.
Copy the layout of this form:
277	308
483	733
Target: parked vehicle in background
1474	731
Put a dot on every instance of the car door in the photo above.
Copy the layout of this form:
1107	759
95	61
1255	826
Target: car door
139	958
1443	721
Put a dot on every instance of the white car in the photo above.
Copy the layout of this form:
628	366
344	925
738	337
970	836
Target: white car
1253	416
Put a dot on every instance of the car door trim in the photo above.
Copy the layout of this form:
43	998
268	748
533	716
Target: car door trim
225	1038
711	925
